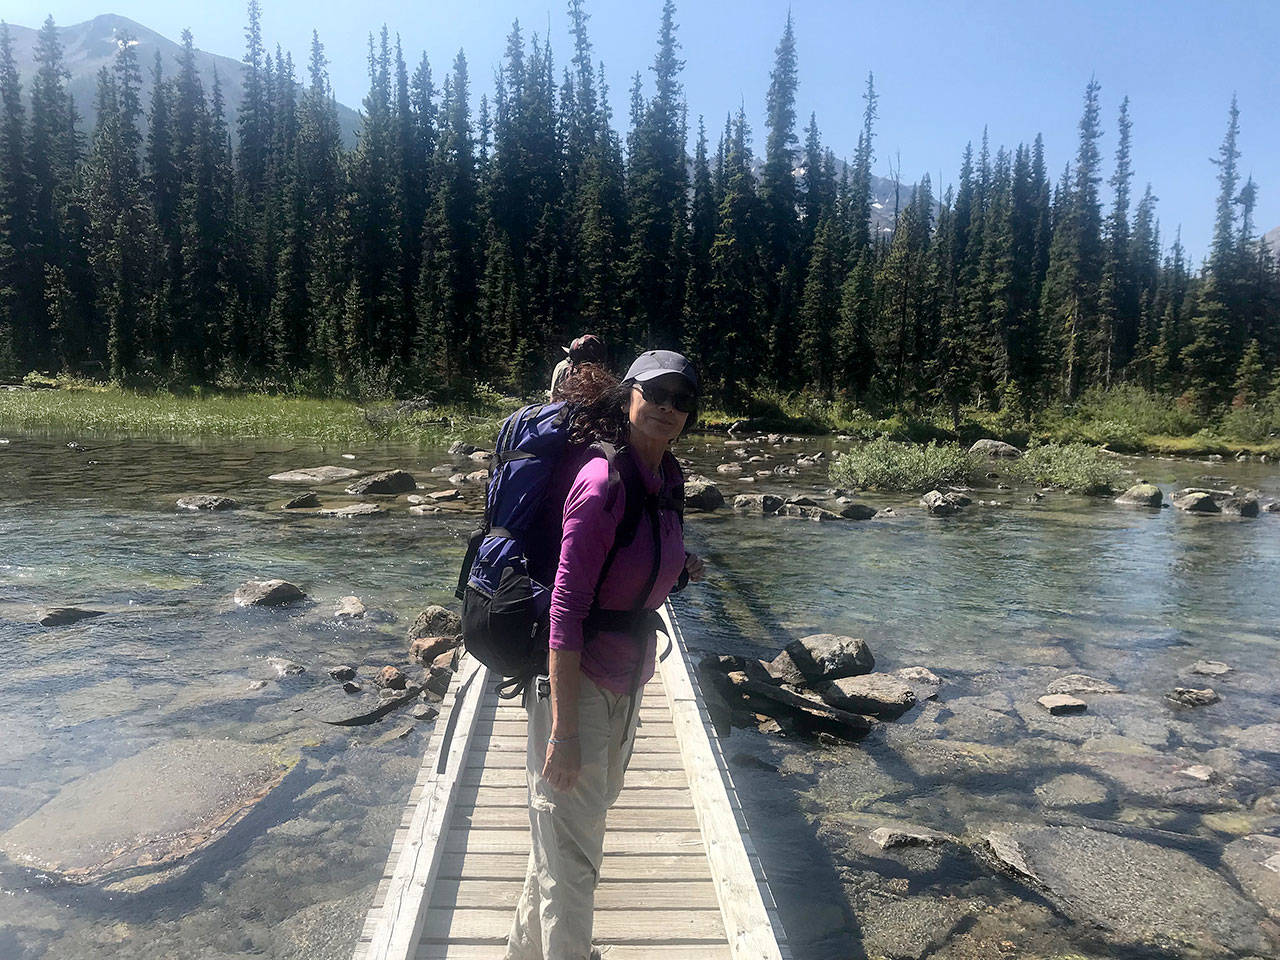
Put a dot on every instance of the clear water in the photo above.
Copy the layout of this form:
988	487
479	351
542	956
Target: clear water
998	601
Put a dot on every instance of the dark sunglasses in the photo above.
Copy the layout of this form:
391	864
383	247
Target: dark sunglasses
680	400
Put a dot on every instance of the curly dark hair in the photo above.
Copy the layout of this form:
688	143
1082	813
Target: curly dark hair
600	405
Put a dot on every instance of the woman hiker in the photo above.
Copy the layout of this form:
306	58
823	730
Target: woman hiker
582	717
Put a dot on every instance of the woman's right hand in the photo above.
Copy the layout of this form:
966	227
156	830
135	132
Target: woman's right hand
563	764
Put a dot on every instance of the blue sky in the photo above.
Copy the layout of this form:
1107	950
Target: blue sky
943	70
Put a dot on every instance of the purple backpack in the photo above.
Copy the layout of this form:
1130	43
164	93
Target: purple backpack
506	606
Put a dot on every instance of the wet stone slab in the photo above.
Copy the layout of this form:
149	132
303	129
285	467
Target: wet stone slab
148	810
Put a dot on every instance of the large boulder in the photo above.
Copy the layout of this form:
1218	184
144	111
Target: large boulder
822	657
390	481
941	504
701	494
1147	899
875	694
1196	501
757	504
436	621
316	475
1246	506
1142	495
994	448
268	593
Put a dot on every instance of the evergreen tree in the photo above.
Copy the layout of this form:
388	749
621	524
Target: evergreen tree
19	286
1206	360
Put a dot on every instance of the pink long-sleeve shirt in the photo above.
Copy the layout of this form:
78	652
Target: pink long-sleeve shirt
590	523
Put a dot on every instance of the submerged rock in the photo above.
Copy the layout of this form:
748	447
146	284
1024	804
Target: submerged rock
349	608
1142	495
822	657
924	683
207	501
65	616
1191	697
757	504
994	448
1255	863
268	593
354	510
389	481
1079	683
804	512
1210	668
701	494
1072	790
318	475
1142	896
146	811
1060	704
435	621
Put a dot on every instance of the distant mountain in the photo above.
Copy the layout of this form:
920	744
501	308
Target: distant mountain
89	46
1272	239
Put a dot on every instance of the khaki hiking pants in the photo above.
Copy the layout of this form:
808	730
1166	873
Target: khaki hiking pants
554	915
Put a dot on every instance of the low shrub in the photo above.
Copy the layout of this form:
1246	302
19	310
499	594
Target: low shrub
1077	467
885	464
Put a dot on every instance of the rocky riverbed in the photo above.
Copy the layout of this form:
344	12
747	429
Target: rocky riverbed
187	772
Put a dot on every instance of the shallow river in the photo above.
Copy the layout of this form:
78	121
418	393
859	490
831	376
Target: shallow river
998	601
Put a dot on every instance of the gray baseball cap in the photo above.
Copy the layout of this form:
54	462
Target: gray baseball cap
658	363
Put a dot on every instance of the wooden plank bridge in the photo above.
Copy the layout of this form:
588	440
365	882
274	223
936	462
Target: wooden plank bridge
680	879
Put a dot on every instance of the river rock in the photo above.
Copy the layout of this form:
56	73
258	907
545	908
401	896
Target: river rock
460	448
316	475
361	707
1191	697
802	512
757	504
822	657
941	504
342	673
701	494
1079	683
1272	507
146	811
903	835
1142	495
1201	772
353	510
435	621
303	501
857	511
728	663
1196	502
390	678
729	468
284	667
480	456
1061	704
65	616
1145	897
874	694
994	448
207	501
390	481
425	711
810	715
1072	790
1210	668
1239	506
351	686
349	608
477	476
441	496
924	683
1255	863
268	593
424	650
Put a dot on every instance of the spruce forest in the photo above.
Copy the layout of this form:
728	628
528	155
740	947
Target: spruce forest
177	246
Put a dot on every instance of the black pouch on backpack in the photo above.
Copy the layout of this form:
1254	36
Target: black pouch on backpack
502	629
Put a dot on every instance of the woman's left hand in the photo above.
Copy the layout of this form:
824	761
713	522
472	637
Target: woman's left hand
694	566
